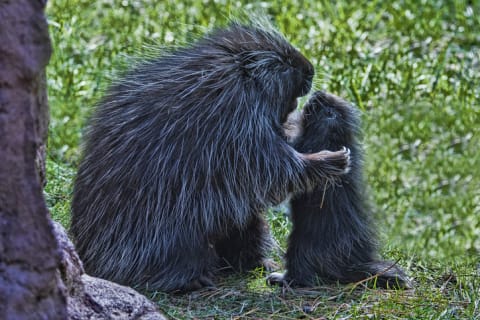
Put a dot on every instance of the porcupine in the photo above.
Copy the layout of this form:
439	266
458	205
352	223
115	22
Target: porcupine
184	154
334	236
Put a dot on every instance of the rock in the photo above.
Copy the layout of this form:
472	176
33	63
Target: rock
94	298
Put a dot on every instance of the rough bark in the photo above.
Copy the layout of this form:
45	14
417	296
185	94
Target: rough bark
30	287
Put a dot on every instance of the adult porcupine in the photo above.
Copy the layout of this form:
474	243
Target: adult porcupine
333	236
184	154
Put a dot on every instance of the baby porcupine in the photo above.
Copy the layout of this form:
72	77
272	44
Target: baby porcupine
334	235
184	154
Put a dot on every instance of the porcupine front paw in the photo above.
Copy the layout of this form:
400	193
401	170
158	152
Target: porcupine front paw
332	163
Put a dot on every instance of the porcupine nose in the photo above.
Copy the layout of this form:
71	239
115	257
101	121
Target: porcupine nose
307	85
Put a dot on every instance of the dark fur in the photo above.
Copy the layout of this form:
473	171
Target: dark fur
334	235
185	153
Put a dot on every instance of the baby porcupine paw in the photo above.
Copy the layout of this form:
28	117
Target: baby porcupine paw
380	274
347	154
389	275
277	278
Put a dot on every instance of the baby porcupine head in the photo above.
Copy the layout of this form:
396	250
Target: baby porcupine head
333	119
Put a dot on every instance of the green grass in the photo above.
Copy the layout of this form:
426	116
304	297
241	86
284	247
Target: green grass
412	67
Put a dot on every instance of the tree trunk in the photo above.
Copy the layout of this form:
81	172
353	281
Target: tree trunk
30	287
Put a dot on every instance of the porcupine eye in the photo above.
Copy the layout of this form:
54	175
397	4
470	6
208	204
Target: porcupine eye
329	113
